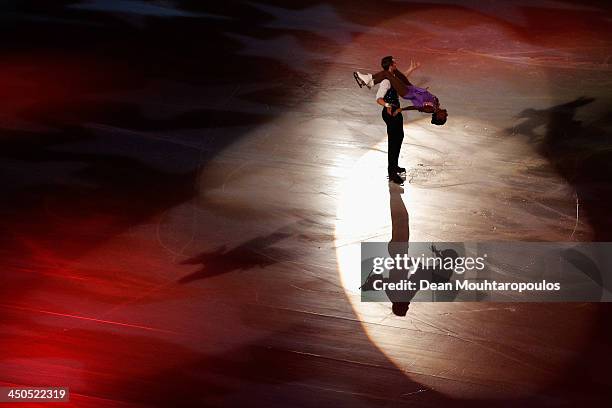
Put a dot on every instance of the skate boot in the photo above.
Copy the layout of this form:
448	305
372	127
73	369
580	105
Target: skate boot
363	79
396	179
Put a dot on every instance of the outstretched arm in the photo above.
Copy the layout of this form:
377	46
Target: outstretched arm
413	67
406	108
404	76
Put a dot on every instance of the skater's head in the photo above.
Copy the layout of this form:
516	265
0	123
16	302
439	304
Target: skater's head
387	63
439	117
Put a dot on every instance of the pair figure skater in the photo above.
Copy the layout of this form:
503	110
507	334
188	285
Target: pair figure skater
422	100
393	85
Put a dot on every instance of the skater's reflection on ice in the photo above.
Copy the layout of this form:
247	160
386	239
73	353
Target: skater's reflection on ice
399	247
400	235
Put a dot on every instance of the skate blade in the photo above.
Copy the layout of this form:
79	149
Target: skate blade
359	81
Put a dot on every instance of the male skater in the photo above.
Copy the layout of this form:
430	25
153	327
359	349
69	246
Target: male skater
392	115
422	99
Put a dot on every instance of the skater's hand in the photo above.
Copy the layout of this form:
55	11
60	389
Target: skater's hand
413	66
390	111
397	111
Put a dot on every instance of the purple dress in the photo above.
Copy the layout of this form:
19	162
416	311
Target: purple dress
421	97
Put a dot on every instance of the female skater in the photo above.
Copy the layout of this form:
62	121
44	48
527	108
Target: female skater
421	99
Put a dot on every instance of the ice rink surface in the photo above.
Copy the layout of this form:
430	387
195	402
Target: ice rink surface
185	187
